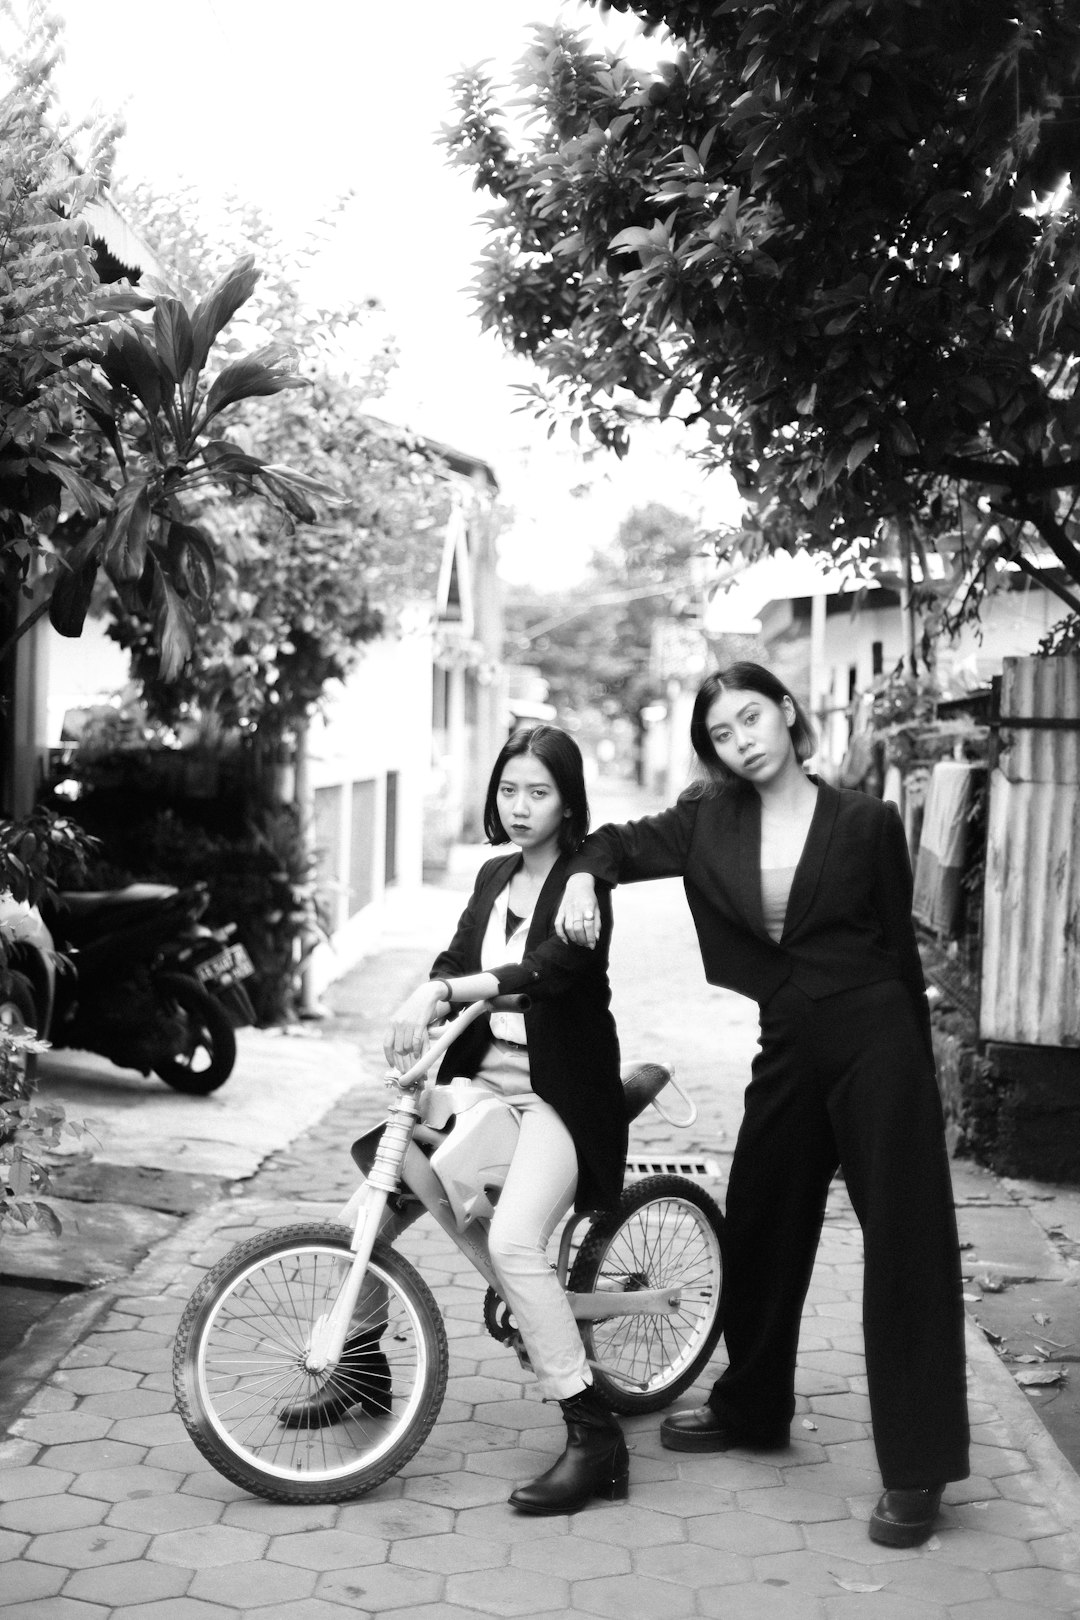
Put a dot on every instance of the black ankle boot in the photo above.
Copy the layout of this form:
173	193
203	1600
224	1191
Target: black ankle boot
595	1462
361	1378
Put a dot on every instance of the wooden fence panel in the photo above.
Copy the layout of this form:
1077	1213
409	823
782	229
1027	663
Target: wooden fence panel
1030	991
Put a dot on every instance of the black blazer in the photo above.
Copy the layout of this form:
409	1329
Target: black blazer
573	1046
848	918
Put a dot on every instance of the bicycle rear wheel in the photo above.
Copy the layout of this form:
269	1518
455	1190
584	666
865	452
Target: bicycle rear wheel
666	1233
239	1361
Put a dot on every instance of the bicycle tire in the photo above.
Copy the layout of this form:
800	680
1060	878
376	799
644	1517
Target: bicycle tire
666	1232
238	1360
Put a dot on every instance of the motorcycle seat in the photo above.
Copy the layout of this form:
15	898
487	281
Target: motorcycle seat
89	902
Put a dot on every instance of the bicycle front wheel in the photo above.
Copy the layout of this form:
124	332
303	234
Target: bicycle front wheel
239	1363
666	1233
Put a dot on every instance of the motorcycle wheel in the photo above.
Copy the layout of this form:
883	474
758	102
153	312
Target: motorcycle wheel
209	1050
18	1013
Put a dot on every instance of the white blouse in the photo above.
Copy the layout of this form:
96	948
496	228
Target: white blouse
495	952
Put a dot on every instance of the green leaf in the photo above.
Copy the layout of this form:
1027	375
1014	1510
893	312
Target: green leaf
127	532
860	450
173	336
130	365
191	561
218	308
258	375
87	498
74	587
173	624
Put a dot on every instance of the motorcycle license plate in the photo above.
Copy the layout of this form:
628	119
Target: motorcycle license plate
227	967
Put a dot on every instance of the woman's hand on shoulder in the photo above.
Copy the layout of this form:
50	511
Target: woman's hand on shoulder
407	1033
577	920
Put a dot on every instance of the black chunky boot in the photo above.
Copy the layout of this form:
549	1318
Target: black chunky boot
361	1378
595	1462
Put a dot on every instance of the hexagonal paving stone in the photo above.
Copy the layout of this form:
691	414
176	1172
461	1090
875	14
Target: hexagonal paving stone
620	1595
693	1566
136	1582
682	1498
156	1514
312	1608
391	1519
88	1546
18	1483
24	1581
500	1524
153	1430
1045	1591
128	1402
461	1490
447	1554
120	1484
177	1608
243	1586
1007	1519
92	1454
570	1557
750	1533
39	1514
326	1549
758	1603
92	1380
277	1519
626	1526
509	1591
852	1605
379	1587
794	1505
809	1573
927	1577
206	1545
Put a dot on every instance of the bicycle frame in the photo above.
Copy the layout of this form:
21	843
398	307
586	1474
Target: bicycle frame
399	1162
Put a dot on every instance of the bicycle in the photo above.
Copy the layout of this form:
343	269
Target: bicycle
267	1327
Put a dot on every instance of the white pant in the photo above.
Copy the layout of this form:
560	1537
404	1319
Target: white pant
539	1190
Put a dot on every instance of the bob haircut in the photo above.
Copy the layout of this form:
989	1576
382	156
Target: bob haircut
742	677
558	751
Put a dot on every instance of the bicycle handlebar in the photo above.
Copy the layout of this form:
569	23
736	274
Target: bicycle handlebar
471	1011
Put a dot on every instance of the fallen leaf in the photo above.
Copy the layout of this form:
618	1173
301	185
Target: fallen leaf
1047	1375
1041	1318
973	1299
992	1285
859	1586
995	1338
806	1423
1025	1358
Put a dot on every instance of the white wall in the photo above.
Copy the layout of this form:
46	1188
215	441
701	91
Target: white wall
377	723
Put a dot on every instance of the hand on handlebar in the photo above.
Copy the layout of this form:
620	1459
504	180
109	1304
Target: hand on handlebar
578	918
407	1033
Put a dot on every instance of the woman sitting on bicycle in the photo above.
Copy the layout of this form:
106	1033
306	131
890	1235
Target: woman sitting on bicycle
560	1062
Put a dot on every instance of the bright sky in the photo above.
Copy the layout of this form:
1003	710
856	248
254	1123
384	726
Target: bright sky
294	104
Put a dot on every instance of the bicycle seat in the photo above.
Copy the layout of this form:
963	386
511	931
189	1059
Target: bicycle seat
641	1083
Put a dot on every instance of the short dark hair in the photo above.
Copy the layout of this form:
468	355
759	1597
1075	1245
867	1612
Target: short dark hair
743	677
558	751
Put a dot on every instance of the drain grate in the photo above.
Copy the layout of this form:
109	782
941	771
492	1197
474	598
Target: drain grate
707	1168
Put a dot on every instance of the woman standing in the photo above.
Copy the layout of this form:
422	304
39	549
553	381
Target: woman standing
801	896
559	1061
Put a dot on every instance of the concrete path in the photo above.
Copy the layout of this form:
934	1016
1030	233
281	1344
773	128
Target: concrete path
107	1511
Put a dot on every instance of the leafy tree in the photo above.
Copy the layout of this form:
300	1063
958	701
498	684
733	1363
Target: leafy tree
840	239
113	402
297	603
592	644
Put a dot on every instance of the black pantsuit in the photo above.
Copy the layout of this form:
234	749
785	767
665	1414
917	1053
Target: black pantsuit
844	1078
844	1081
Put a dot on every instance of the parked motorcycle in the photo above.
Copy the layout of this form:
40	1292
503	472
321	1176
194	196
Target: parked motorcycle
140	981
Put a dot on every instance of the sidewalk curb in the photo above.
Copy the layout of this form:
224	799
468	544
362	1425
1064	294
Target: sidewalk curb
1050	1464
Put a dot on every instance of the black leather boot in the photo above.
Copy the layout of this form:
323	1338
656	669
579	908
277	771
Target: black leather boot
595	1462
361	1378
